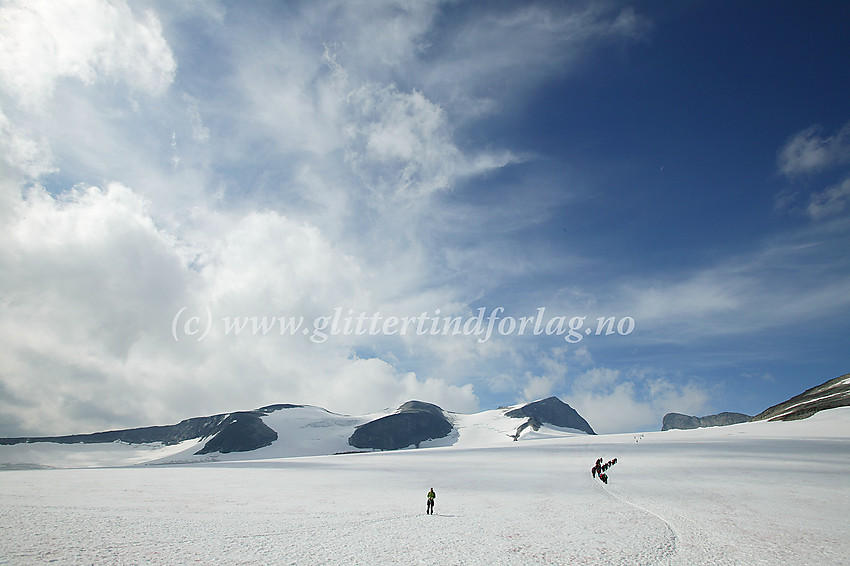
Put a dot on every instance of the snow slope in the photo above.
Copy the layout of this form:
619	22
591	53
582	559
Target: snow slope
755	493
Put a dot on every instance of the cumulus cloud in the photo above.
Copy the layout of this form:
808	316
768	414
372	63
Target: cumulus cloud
87	40
91	285
614	401
554	366
84	277
539	386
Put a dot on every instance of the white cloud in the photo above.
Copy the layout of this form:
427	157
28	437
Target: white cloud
92	258
554	367
22	153
709	291
278	264
44	41
810	151
375	36
84	278
90	287
539	387
830	201
494	54
615	402
782	282
364	382
401	144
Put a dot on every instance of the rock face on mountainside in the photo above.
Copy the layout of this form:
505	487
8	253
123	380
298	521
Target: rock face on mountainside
834	393
231	432
242	432
414	422
687	422
553	411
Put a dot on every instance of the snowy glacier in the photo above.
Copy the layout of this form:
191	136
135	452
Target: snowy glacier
754	493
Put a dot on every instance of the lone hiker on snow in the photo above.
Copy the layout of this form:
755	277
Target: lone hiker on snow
429	510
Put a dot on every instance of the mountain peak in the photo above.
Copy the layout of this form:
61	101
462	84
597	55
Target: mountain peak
553	411
420	406
413	423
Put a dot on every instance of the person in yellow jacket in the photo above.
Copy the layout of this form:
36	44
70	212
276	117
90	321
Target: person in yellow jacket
429	510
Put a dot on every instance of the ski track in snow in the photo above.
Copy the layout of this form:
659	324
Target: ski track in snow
761	493
689	543
664	552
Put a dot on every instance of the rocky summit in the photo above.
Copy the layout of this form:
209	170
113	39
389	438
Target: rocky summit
553	411
413	423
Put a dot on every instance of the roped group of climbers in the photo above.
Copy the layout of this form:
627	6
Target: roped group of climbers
600	470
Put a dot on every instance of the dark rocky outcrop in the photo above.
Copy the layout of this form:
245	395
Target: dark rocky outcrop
679	421
834	393
688	422
531	422
230	432
242	432
414	422
198	427
553	411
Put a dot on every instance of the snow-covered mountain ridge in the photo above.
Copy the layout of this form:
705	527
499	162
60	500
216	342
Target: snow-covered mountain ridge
829	395
287	430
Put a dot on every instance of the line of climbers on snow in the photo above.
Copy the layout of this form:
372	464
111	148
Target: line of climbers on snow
599	469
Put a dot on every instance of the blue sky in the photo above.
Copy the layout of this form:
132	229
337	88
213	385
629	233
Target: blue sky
683	165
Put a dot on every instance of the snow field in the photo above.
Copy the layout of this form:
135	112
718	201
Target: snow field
760	493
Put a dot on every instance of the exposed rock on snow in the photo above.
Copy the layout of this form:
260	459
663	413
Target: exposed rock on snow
231	432
414	422
242	432
198	427
531	422
687	422
834	393
553	411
